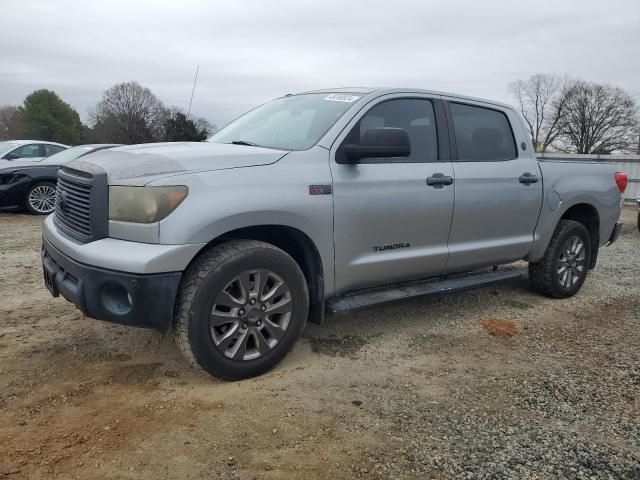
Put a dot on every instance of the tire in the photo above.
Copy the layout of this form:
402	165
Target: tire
565	265
215	304
639	221
41	198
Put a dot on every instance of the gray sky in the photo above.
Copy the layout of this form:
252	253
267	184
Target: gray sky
252	51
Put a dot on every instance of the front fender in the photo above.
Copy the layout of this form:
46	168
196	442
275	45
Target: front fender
277	194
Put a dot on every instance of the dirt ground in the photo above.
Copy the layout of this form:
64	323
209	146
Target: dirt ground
423	389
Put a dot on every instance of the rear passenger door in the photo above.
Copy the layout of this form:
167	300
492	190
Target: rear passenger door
390	223
498	187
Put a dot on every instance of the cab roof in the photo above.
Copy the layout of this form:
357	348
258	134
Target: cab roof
378	91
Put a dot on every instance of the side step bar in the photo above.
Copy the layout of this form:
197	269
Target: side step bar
367	298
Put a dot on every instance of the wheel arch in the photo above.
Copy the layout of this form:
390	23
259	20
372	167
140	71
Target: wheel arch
586	214
35	180
294	242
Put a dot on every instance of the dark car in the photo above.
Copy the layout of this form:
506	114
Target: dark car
33	187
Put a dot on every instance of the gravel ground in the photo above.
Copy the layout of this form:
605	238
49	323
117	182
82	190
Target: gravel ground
417	390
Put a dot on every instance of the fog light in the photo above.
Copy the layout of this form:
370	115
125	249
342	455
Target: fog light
116	299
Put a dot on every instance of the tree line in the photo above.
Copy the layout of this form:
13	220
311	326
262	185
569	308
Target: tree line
575	116
562	114
128	113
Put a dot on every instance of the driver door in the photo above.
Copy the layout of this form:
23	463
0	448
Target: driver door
390	223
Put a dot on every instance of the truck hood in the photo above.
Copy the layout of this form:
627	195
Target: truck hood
141	164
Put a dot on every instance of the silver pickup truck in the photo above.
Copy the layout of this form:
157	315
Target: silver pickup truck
324	200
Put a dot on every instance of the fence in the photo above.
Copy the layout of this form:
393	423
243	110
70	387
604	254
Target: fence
630	164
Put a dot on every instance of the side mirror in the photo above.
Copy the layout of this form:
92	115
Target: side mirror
11	156
383	142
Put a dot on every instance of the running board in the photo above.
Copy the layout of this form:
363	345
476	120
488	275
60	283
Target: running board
368	298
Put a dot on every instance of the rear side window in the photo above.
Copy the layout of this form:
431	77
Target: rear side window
414	115
482	134
51	149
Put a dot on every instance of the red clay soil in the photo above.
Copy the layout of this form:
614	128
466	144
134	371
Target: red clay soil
500	328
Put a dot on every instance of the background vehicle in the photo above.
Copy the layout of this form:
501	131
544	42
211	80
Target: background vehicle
24	151
33	186
340	199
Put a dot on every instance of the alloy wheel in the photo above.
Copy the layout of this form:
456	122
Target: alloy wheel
42	199
571	263
250	315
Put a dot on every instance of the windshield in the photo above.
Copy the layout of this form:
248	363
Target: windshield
6	146
67	155
296	122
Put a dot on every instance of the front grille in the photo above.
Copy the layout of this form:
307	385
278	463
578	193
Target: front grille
73	207
81	198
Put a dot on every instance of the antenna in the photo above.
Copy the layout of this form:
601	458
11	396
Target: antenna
195	79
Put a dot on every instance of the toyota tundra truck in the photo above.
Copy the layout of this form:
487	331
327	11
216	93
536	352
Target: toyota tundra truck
323	201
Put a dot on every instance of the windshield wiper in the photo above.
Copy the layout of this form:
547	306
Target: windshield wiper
244	142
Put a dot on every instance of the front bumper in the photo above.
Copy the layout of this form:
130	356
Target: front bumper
13	195
122	255
140	300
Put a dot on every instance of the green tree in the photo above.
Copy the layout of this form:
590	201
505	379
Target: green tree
47	117
179	128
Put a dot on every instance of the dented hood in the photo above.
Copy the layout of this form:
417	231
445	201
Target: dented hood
141	164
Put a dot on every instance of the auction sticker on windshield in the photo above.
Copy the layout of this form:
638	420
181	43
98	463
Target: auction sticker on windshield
341	98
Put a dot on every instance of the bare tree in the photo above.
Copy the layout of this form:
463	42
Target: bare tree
11	122
204	125
598	119
542	100
129	113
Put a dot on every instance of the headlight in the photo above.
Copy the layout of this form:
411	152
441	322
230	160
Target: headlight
144	204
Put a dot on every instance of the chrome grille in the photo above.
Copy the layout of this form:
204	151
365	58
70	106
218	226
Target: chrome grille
73	207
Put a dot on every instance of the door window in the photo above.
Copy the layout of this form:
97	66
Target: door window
414	115
51	149
26	151
482	134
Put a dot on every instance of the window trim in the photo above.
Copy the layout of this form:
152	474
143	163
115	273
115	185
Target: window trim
453	138
442	135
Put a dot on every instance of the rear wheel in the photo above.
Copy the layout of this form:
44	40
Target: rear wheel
241	308
564	267
41	198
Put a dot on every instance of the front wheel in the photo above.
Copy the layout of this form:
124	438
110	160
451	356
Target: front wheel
41	198
564	267
241	307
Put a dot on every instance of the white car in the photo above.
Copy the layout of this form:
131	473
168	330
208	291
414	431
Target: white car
27	151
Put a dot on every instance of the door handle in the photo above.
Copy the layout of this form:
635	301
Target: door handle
439	180
528	178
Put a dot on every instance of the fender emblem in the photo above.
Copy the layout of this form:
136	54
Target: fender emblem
390	246
320	190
